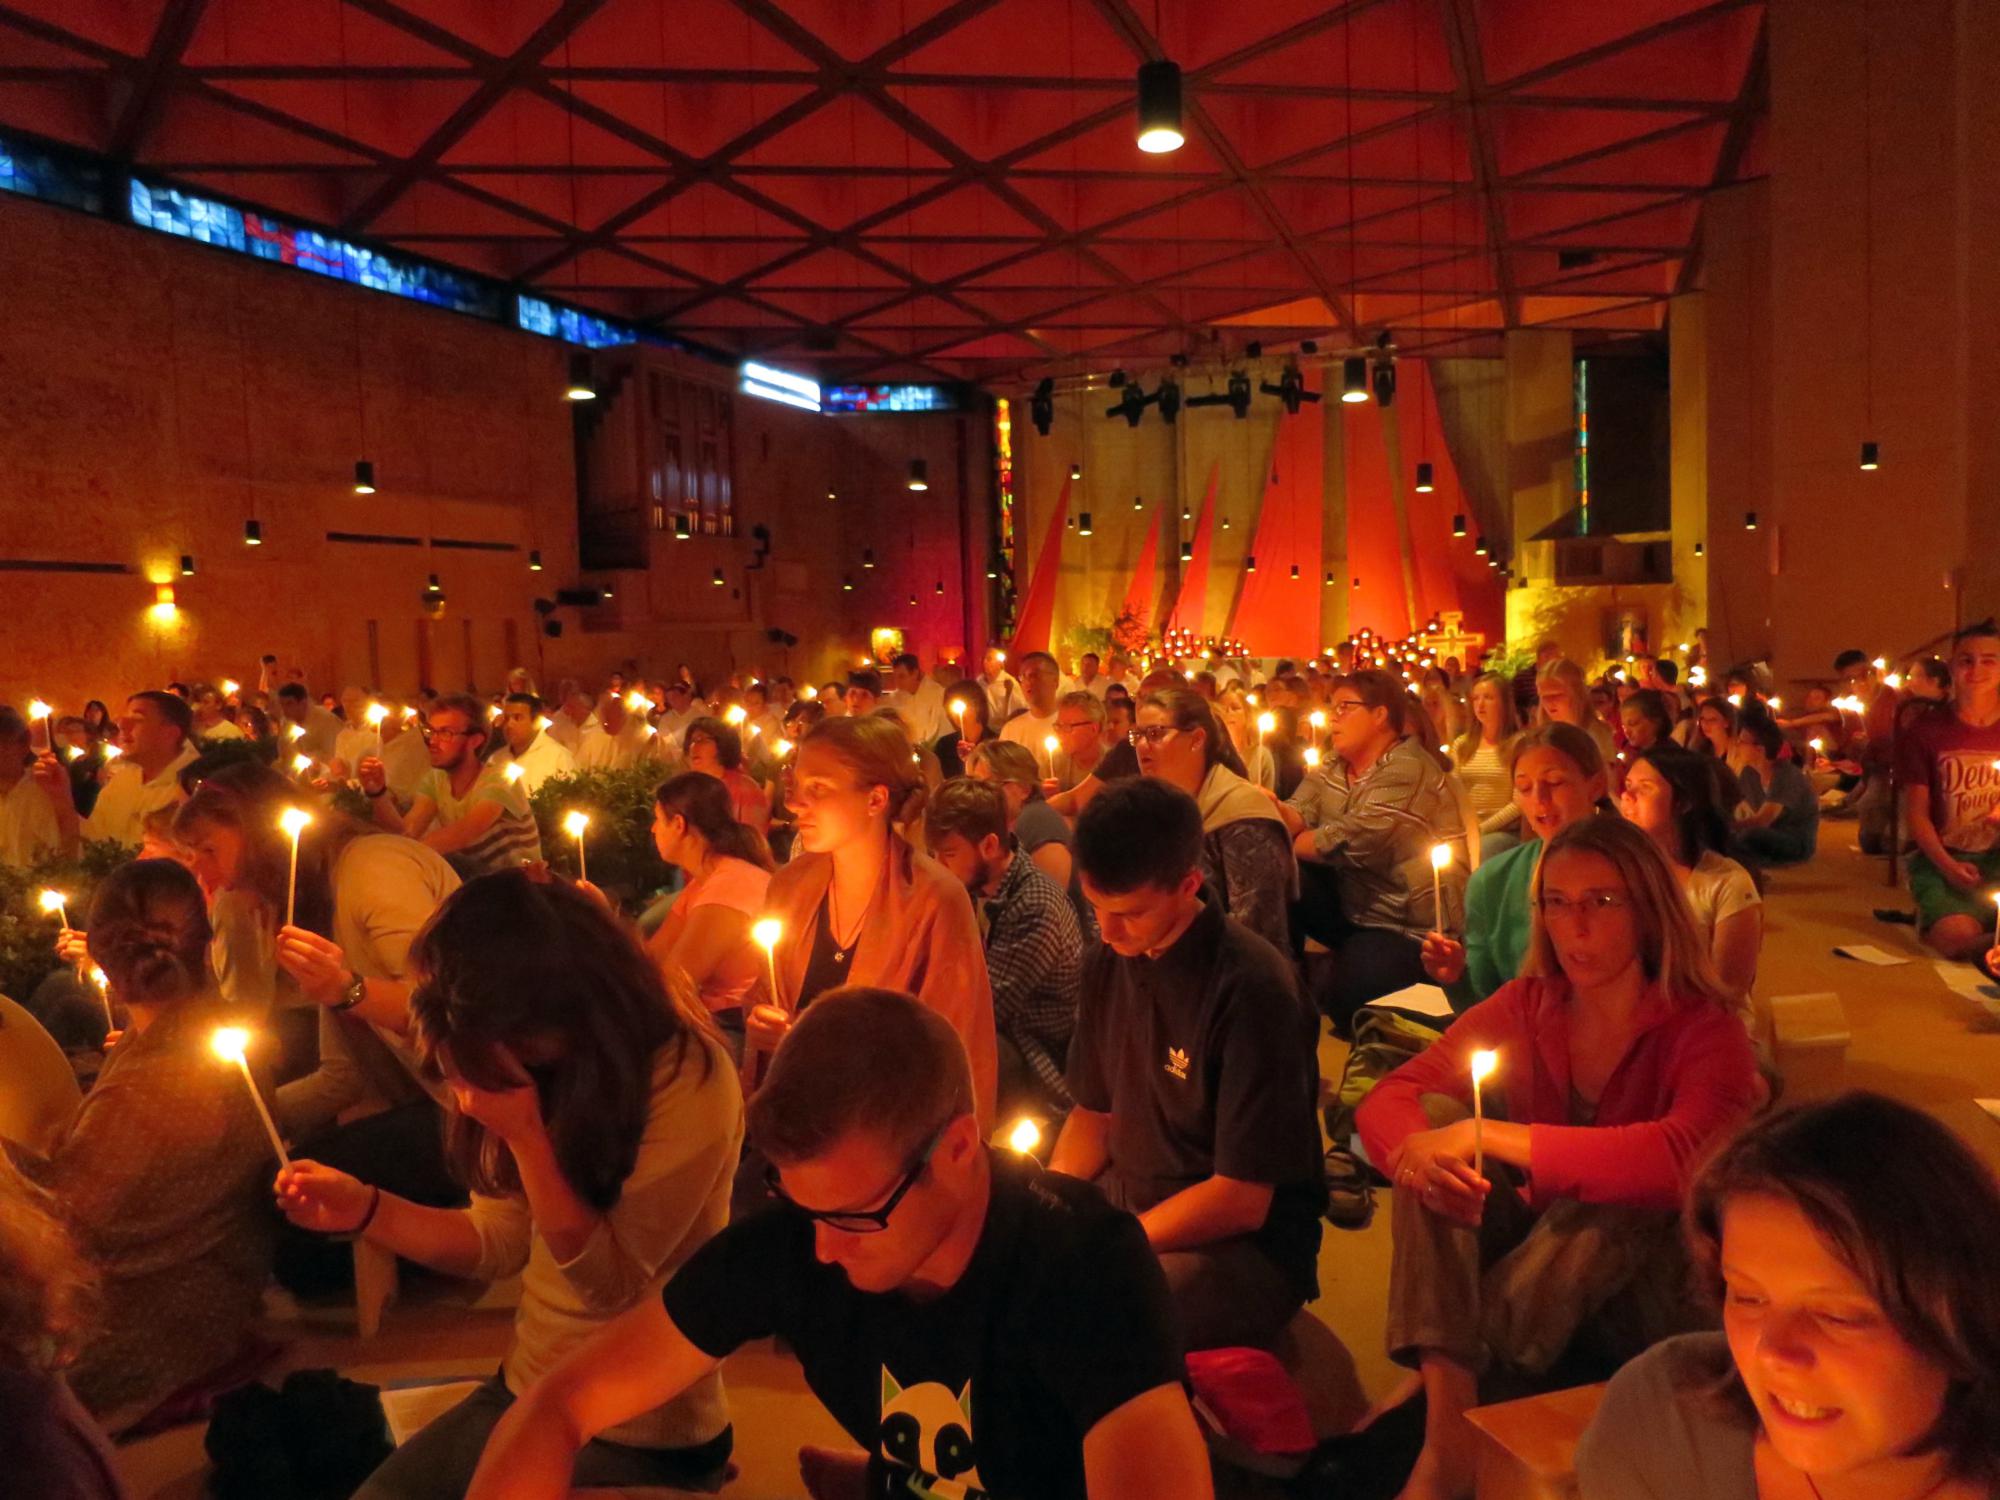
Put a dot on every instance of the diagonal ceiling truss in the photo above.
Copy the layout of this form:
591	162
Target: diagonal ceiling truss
924	188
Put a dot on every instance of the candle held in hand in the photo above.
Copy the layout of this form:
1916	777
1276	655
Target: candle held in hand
53	903
293	820
377	712
229	1042
576	824
1049	743
103	982
1025	1136
1440	861
1483	1064
767	931
513	771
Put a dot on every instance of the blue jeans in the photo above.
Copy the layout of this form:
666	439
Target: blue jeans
438	1462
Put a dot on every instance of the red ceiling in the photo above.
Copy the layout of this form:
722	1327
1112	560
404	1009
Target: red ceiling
880	188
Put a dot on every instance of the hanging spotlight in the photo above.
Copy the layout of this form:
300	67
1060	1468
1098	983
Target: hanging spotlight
1225	523
364	477
1290	389
1357	583
1458	524
1385	381
1083	523
1249	562
1871	456
847	583
1160	107
992	570
1425	484
581	387
1042	406
1479	547
831	495
1076	471
187	565
683	528
939	589
1117	380
253	533
1137	503
716	578
1186	514
1187	551
1700	550
1749	520
868	558
1295	572
1131	403
919	475
1354	379
913	601
1329	578
534	562
1168	397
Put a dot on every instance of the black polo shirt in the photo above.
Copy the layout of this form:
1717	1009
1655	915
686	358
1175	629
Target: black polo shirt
1207	1061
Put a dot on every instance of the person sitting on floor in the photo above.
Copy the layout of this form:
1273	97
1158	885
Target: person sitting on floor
1673	796
1195	1074
975	1324
1618	1062
1559	779
597	1123
160	1174
1364	826
1246	851
1849	1247
1481	755
1951	801
1034	948
49	1447
1777	822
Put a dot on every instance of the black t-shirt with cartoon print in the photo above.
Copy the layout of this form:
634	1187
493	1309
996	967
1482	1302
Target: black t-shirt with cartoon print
984	1390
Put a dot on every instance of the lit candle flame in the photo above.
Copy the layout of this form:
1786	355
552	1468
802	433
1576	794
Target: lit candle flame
545	723
1440	856
112	752
39	710
377	712
736	715
513	772
231	686
783	747
229	1043
1050	743
1024	1137
767	931
809	692
638	702
302	763
296	732
1266	722
52	901
294	819
1483	1064
1312	757
575	823
1317	718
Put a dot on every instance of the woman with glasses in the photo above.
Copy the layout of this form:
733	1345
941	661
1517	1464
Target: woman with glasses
1559	779
1246	848
596	1121
858	905
1617	1061
714	748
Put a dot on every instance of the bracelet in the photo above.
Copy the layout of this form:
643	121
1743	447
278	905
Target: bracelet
368	1218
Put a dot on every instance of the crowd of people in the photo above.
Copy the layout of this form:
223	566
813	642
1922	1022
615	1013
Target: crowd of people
916	933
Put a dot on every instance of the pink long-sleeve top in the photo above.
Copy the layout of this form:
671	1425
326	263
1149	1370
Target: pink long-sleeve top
1685	1081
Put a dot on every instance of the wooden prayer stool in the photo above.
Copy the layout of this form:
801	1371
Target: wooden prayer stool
1527	1448
1809	1038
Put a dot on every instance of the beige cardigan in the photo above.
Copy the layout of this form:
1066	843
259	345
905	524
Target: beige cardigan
920	936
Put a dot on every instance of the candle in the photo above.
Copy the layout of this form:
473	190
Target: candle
736	715
53	902
958	711
574	825
103	983
1317	718
639	703
38	713
1049	743
112	752
229	1042
293	820
1312	757
783	748
296	732
1440	859
809	692
1483	1064
377	712
1025	1136
512	771
767	931
302	763
231	687
1266	722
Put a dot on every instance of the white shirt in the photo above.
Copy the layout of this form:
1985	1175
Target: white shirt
566	732
126	798
634	742
27	823
1003	696
674	722
404	761
220	730
350	745
924	711
542	759
1097	687
1030	729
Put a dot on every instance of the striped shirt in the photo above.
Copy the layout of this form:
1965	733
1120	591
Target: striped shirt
513	839
1034	956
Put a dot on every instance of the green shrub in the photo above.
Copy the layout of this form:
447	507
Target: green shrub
27	933
619	852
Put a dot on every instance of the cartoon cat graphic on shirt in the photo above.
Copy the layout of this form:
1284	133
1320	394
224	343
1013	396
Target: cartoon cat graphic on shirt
926	1436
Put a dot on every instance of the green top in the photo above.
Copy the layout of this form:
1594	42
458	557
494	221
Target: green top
1498	909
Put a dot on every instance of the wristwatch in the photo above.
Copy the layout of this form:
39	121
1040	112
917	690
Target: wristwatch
353	995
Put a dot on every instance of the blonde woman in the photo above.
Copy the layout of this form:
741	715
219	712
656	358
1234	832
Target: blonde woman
1564	698
1482	755
1619	1062
1239	717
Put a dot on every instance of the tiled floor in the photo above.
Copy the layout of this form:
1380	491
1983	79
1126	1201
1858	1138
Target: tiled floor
1913	1038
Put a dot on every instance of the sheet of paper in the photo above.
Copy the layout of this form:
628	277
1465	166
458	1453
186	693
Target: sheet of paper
1418	999
1965	980
1991	1106
1867	953
411	1408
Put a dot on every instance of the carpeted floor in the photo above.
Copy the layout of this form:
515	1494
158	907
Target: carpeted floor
1914	1037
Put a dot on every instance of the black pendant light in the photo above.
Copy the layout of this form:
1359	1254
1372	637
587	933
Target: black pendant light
1295	572
364	477
1249	562
534	562
1425	484
253	533
1083	523
1749	520
1354	380
187	565
683	528
1479	547
868	558
716	578
1871	456
581	387
939	589
1329	578
847	583
1187	551
1700	550
919	475
1160	107
1076	471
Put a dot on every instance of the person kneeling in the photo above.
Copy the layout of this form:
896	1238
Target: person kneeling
977	1325
1617	1059
1195	1076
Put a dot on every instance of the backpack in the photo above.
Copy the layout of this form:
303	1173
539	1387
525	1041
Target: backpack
1384	1039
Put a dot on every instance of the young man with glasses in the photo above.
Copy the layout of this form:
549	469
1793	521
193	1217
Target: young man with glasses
468	812
978	1326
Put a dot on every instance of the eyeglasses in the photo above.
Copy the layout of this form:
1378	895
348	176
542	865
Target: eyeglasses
451	734
1595	903
1152	734
861	1221
1341	707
